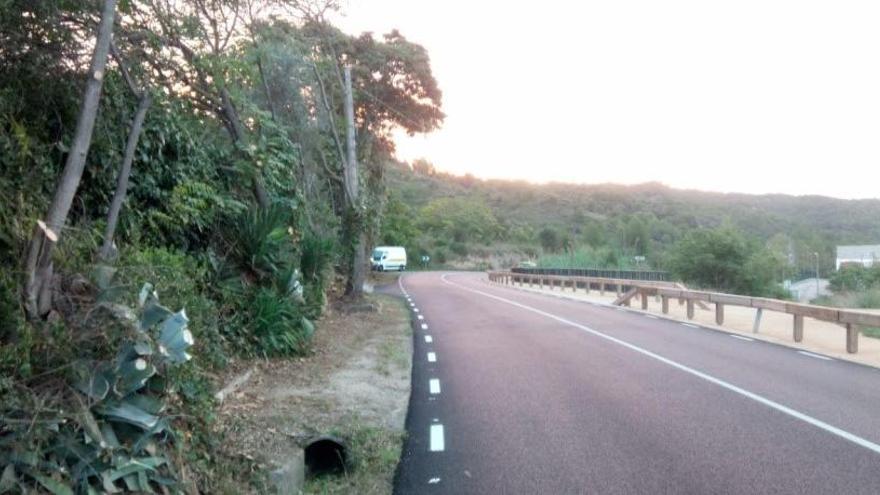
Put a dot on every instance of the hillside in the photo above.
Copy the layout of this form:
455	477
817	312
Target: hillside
806	224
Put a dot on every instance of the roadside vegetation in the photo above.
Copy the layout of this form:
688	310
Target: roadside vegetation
855	286
190	153
734	242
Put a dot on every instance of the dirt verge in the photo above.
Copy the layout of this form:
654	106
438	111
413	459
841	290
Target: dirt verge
355	385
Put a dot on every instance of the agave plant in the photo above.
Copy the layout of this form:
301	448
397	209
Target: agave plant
113	440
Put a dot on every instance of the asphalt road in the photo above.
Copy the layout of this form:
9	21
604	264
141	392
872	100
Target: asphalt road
518	393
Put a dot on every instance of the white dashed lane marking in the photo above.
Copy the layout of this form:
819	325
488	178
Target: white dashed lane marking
428	339
432	358
437	440
424	326
434	385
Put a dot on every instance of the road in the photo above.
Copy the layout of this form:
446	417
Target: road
520	393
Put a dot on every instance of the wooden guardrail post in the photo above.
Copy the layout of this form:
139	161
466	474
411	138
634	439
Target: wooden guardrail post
852	338
798	328
587	286
719	313
690	309
601	288
574	285
664	300
644	300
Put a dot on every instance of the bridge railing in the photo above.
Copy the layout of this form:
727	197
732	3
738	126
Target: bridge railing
627	290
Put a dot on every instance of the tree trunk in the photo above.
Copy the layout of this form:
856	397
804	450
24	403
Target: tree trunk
38	265
122	180
357	270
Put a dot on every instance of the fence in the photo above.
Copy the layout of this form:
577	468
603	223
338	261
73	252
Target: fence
629	289
647	275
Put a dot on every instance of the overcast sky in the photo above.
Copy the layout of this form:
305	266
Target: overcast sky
746	96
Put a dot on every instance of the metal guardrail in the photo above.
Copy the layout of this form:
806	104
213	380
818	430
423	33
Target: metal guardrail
645	275
629	289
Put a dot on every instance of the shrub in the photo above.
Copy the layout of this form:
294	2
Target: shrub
116	433
316	257
183	279
277	324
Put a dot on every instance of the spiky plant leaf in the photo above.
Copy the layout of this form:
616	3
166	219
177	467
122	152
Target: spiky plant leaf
8	480
153	314
54	486
133	375
126	412
175	339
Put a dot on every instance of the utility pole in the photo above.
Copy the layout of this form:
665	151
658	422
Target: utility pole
355	221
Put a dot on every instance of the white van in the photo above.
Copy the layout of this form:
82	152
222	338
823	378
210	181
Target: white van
388	258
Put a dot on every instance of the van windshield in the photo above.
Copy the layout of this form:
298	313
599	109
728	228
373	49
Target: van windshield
377	255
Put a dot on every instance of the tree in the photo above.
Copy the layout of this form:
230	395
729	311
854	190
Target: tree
724	259
38	265
459	220
550	240
398	225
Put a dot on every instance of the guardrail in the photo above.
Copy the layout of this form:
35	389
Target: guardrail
629	289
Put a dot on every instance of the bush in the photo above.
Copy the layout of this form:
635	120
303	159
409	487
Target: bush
315	261
277	324
183	279
103	424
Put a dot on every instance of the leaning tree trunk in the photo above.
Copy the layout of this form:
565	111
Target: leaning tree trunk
124	172
38	265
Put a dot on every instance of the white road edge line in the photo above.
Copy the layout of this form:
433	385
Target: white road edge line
415	309
434	386
817	356
740	337
421	317
862	442
690	325
652	317
432	357
429	339
437	443
424	326
433	481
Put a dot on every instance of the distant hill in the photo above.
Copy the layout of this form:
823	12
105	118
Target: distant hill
812	223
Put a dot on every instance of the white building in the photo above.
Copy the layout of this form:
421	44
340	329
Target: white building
861	255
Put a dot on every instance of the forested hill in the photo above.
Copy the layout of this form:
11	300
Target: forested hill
805	223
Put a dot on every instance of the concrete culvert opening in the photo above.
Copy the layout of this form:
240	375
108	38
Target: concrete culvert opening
326	455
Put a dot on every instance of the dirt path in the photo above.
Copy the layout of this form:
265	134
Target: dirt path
356	385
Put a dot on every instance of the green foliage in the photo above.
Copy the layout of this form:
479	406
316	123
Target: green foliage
398	225
259	242
115	433
315	262
459	219
724	259
184	279
277	324
855	278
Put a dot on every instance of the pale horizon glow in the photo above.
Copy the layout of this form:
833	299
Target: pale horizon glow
769	96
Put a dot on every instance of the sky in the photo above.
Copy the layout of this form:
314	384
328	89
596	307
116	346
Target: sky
766	96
